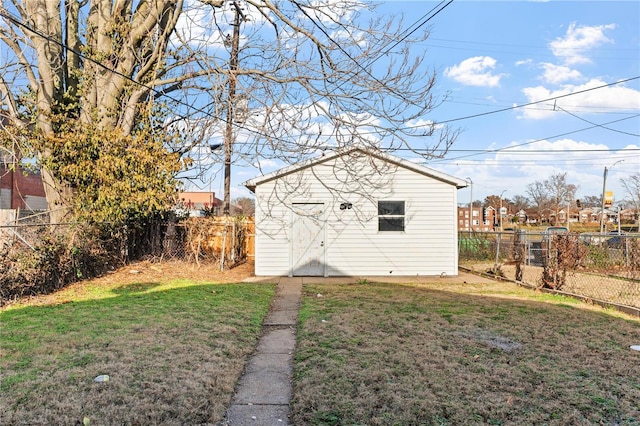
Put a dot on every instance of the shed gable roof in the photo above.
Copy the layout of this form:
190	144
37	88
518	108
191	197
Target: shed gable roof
417	168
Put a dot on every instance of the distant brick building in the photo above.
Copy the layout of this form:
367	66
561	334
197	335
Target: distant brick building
482	220
198	204
21	189
195	203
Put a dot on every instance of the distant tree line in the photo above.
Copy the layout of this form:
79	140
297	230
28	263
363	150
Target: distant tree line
545	198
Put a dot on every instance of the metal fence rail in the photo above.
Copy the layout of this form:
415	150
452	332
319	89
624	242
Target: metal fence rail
600	267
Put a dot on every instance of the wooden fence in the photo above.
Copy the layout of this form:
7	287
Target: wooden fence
228	240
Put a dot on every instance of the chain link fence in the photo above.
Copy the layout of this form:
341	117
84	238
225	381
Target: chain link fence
603	268
38	257
225	240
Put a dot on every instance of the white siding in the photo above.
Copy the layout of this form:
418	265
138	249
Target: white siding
428	245
7	216
272	237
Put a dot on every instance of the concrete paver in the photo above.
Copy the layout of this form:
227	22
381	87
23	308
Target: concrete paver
278	391
277	341
262	415
286	302
281	318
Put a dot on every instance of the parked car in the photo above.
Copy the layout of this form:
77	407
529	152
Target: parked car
548	233
614	239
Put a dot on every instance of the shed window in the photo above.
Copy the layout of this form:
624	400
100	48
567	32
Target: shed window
390	216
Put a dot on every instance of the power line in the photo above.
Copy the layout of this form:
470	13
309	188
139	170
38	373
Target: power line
482	114
538	151
418	24
538	162
514	107
595	109
407	33
607	49
543	139
598	125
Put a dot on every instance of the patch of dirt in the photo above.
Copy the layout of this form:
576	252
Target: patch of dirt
149	271
493	340
170	270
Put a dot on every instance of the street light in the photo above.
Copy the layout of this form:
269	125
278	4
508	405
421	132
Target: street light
470	206
501	209
604	187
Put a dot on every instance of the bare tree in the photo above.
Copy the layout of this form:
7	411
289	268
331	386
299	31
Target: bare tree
85	64
244	206
305	77
539	196
271	80
492	201
520	202
560	192
592	201
632	185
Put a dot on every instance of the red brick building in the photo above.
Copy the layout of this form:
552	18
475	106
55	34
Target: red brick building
482	220
196	202
21	189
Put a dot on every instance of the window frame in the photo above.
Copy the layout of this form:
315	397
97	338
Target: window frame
395	211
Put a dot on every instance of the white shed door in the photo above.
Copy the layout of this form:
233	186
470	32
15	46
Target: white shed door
307	251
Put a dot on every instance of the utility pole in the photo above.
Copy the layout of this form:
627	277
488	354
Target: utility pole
604	192
228	135
501	194
604	189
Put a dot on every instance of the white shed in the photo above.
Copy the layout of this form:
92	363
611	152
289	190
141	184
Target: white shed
356	213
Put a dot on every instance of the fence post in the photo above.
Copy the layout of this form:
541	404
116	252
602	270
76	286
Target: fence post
519	252
495	268
233	241
224	244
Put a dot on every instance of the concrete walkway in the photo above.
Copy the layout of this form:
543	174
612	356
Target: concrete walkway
263	392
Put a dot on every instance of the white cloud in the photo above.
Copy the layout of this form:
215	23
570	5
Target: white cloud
361	38
418	160
617	96
476	71
330	11
559	73
195	24
266	163
578	40
512	170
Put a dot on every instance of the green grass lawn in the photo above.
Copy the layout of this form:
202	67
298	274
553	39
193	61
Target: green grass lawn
367	354
173	351
496	354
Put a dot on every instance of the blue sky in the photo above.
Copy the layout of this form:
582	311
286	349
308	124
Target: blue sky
492	56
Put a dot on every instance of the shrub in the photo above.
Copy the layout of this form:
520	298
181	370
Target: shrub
564	253
54	261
